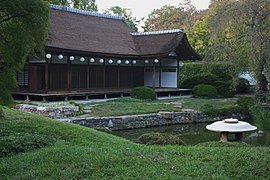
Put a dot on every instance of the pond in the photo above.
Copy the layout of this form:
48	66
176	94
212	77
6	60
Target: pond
192	134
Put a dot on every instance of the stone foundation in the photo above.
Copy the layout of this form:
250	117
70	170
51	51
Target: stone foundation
52	112
150	120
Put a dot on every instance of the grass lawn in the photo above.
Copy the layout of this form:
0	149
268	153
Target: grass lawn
79	152
127	106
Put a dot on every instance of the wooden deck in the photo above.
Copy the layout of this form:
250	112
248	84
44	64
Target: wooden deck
93	94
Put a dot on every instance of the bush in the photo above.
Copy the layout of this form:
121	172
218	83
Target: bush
13	142
80	112
224	111
240	85
204	90
143	93
261	116
160	138
198	79
245	103
223	89
1	112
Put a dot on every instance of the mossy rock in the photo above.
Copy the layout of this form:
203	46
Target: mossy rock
160	139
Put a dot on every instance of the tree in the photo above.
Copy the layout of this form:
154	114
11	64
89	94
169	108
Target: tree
116	10
243	27
89	5
200	36
23	29
173	17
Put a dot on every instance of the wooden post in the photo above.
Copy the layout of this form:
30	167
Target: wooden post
88	74
46	75
68	74
154	75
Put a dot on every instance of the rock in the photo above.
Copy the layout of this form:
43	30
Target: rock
86	111
166	115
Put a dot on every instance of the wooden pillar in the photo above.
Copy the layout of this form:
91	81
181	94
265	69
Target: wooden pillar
46	75
154	75
118	76
160	73
88	74
68	74
177	71
104	76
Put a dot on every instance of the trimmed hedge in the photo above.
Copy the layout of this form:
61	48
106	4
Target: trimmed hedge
223	89
205	78
241	85
160	138
143	93
204	90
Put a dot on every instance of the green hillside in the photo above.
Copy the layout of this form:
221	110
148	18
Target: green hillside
33	147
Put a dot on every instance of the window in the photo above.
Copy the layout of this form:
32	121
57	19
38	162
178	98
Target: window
168	70
22	77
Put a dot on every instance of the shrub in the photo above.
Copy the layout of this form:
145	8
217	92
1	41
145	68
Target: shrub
1	112
143	93
240	85
80	112
223	89
160	138
13	142
224	111
245	103
204	90
198	79
261	116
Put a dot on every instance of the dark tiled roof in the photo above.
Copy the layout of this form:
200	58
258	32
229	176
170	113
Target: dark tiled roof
95	35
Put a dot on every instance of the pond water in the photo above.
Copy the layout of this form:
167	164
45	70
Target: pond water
192	134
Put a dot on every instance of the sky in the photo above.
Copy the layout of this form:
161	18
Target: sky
141	8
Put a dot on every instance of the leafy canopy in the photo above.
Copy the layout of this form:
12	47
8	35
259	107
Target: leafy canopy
119	11
23	29
89	5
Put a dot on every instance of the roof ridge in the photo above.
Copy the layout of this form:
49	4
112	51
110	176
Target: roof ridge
79	11
157	32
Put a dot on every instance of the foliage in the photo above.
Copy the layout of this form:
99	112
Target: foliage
172	17
18	38
204	90
245	103
204	78
124	12
160	139
240	34
80	112
2	115
223	111
261	116
89	5
200	36
143	93
223	89
18	142
81	152
240	85
222	71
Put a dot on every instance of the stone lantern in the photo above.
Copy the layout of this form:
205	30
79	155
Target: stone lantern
230	126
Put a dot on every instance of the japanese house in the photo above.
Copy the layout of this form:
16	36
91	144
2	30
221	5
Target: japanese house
90	52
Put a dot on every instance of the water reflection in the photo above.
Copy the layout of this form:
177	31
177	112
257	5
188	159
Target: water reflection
192	134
